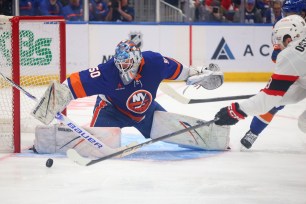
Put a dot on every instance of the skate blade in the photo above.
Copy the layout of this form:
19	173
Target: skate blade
244	149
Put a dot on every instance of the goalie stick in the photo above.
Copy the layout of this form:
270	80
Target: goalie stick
182	99
65	120
77	158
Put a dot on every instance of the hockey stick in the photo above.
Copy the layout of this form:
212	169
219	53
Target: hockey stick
65	120
182	99
77	158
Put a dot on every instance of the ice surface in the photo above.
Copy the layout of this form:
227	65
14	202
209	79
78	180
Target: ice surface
273	171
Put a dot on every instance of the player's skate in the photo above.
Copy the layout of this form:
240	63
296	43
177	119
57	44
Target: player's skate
248	139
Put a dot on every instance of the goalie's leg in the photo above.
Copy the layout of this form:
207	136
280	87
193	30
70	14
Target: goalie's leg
212	137
58	139
145	125
106	115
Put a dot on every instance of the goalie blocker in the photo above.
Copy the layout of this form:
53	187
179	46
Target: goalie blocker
55	99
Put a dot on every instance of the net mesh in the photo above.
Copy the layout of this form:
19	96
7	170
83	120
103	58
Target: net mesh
39	63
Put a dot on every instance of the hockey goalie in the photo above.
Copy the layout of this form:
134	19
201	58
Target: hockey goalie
126	88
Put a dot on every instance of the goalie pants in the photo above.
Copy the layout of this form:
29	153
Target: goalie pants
109	116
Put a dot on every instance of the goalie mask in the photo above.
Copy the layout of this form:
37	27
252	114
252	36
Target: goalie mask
127	59
293	27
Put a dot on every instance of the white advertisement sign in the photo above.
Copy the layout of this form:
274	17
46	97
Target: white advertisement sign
77	47
234	48
171	41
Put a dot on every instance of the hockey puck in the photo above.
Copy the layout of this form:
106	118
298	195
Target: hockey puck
49	163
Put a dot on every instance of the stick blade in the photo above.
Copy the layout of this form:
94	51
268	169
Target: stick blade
73	155
173	94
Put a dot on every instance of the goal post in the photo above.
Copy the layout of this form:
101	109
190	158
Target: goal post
32	54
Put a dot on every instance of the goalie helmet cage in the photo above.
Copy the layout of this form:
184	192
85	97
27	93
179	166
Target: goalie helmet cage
32	54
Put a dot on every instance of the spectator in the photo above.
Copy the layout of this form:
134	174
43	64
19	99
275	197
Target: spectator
64	2
73	11
226	4
252	14
28	7
236	14
266	11
229	10
97	10
174	2
303	14
277	12
119	10
213	12
199	10
50	7
291	7
6	7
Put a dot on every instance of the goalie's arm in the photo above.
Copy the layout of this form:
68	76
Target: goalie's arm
58	96
209	77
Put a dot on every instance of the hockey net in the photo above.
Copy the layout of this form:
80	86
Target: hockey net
32	54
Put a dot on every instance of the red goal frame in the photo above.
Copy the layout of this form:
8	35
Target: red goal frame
15	21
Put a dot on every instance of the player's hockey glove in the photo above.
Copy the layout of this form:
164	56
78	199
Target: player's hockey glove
208	77
229	115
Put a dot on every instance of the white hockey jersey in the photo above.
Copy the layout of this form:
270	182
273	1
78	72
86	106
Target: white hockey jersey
287	84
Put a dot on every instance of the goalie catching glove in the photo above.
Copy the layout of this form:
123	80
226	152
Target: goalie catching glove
209	77
54	100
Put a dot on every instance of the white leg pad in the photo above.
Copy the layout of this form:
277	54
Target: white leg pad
58	139
212	137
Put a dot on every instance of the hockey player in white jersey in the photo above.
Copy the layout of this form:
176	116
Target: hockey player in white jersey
287	84
260	123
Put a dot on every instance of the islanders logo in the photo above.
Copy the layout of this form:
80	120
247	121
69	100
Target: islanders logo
139	101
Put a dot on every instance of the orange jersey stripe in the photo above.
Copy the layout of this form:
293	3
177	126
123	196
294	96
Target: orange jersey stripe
138	119
141	65
177	71
77	86
138	76
267	117
102	104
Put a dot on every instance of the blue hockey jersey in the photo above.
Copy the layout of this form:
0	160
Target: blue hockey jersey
134	99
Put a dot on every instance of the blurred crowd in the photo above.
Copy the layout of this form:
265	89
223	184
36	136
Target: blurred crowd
72	10
236	11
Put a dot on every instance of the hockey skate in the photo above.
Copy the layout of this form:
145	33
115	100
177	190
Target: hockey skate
248	139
